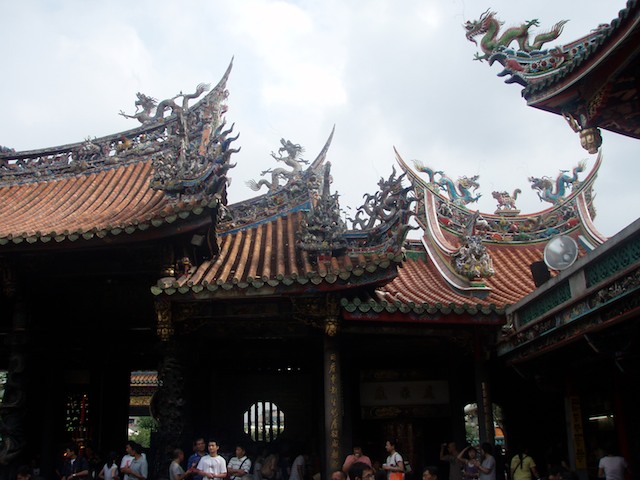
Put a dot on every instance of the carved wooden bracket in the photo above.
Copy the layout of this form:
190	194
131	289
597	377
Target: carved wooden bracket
318	312
164	325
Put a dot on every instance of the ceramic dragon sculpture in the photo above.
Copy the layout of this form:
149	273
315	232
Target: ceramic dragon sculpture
390	201
459	191
554	192
429	171
148	109
492	39
292	159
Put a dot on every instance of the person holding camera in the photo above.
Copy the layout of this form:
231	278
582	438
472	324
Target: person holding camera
449	454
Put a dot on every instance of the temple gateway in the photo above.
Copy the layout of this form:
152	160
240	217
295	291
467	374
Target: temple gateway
132	287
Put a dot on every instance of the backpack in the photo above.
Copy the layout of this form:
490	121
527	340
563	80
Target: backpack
269	465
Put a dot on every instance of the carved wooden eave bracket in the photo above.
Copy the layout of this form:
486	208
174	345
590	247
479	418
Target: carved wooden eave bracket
321	312
164	322
590	137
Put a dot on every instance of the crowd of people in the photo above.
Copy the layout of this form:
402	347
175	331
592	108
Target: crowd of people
207	462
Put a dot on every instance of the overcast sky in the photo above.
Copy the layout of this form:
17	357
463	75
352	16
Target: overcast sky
385	72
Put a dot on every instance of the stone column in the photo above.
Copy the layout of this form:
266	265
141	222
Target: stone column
168	401
333	409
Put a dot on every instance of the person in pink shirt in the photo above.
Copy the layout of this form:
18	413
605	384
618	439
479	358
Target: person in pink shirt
356	456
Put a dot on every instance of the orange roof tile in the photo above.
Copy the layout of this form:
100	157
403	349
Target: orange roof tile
87	205
267	255
419	282
133	180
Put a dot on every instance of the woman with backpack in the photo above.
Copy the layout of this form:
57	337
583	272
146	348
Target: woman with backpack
523	467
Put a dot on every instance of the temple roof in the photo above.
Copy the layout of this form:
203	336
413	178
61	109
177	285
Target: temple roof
293	239
420	287
106	203
170	168
168	177
266	257
474	265
591	81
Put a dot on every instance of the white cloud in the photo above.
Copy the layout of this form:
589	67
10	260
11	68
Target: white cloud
385	73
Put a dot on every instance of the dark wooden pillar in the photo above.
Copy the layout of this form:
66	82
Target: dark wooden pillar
13	410
333	408
483	394
575	430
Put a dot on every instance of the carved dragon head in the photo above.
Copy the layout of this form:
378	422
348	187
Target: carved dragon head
541	184
293	149
469	183
480	26
145	101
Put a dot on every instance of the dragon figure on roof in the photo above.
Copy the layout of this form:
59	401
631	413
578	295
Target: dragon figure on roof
292	159
489	27
148	109
554	192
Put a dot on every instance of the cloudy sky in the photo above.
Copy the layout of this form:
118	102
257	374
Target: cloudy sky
385	72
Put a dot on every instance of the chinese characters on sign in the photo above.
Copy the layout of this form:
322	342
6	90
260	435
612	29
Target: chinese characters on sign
404	393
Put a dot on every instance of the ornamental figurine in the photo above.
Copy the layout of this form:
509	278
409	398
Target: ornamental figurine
506	202
292	159
489	26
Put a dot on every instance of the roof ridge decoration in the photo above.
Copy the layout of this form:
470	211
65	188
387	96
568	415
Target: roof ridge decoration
527	63
551	77
387	214
189	147
459	191
571	199
555	191
301	185
322	230
472	259
199	160
292	159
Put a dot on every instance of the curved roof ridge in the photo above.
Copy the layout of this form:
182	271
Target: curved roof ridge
280	200
144	128
442	216
174	168
109	151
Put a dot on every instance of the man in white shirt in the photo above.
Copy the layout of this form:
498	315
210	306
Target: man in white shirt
212	465
612	467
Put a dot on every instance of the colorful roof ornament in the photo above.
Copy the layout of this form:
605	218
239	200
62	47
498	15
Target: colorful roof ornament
173	166
526	63
470	266
472	260
460	192
591	81
293	238
572	201
495	44
555	191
